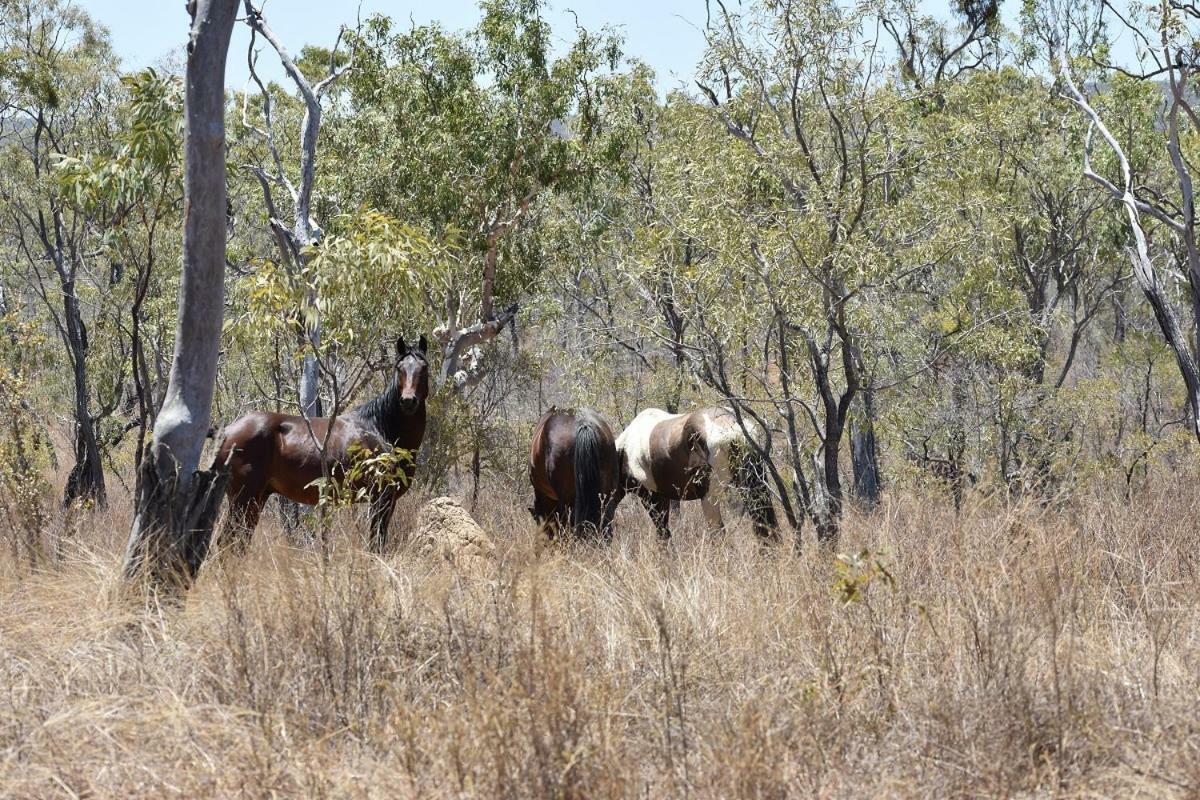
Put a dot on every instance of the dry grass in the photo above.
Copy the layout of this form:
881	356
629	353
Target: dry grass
1014	651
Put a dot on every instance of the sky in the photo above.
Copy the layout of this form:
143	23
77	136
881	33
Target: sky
666	34
663	33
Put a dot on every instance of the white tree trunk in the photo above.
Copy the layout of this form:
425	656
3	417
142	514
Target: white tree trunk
304	231
1144	272
174	503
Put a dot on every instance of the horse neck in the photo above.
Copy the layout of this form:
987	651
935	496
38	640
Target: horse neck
409	429
400	429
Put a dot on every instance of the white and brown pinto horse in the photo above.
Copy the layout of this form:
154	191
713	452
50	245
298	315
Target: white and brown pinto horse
700	455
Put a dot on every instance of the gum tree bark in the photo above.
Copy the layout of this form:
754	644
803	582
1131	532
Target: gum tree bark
864	453
177	503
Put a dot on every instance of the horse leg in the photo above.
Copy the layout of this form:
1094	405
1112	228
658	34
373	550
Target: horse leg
545	511
382	507
660	512
611	502
712	515
241	521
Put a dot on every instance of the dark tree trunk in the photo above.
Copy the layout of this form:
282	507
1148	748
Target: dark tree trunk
831	468
864	454
835	411
86	479
176	503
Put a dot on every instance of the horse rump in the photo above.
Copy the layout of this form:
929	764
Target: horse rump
595	455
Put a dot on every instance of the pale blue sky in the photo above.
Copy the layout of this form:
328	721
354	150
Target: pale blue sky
663	33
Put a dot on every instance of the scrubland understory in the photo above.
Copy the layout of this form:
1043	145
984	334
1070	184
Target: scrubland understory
1014	650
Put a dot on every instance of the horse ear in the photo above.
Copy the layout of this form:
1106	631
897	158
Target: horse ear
423	345
401	347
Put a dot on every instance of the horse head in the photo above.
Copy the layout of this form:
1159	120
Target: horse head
412	374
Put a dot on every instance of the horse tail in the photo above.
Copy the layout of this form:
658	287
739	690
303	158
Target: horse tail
589	486
750	476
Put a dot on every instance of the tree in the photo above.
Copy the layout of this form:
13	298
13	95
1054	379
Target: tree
131	186
465	135
176	502
304	230
55	82
812	127
1174	209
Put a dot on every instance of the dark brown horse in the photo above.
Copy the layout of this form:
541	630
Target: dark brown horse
696	456
573	469
281	453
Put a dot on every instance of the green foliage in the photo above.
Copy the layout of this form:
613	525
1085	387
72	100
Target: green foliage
143	163
464	133
367	474
365	280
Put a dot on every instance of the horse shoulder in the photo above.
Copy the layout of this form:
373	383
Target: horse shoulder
353	435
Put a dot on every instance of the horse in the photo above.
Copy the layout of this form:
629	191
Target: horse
574	471
270	453
695	456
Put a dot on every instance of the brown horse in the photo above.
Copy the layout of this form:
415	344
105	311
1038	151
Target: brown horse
573	469
694	456
280	454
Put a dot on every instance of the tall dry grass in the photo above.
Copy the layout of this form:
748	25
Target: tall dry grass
1013	651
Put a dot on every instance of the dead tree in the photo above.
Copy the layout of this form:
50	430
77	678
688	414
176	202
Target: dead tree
304	230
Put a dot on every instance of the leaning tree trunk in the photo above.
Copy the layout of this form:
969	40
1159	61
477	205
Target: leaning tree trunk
1144	271
176	503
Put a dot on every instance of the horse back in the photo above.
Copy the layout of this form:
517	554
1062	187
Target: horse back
607	458
666	454
272	453
552	452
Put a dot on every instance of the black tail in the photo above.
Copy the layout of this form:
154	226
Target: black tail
589	486
750	475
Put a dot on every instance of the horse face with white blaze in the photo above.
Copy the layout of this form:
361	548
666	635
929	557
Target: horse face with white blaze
412	375
695	456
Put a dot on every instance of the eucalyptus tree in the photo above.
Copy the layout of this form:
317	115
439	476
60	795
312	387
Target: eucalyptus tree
1161	217
55	85
465	135
294	229
1026	266
131	186
783	201
611	260
931	52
